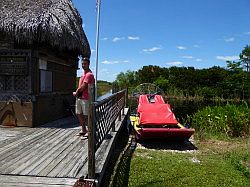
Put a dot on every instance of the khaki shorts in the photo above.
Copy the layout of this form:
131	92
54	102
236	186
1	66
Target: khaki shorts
82	106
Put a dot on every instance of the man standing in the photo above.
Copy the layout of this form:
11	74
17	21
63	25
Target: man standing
82	95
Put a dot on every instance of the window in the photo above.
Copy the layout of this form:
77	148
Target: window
45	81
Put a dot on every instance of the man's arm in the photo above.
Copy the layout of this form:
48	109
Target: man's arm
82	87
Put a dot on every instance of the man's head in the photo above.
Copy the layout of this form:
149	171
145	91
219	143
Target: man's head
85	64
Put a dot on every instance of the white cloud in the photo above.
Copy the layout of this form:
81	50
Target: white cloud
116	39
175	63
104	39
181	47
109	62
133	38
198	60
114	62
92	50
226	58
248	33
229	39
152	49
188	57
197	46
83	26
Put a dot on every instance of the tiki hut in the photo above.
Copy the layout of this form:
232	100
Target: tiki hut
40	42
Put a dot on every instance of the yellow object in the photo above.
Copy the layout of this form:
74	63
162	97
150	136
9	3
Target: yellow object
135	122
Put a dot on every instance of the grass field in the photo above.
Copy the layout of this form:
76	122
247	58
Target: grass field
214	163
202	163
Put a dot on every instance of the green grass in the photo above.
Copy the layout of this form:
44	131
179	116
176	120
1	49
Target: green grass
103	88
222	163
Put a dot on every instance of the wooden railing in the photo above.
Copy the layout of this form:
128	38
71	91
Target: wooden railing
101	121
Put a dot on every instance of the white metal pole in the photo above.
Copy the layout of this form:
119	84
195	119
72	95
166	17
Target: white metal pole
97	44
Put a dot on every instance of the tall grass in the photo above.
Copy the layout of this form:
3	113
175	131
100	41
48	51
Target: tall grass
229	120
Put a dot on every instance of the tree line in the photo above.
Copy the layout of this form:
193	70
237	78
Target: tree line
229	83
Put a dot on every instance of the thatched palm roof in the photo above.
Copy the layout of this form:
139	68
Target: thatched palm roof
55	22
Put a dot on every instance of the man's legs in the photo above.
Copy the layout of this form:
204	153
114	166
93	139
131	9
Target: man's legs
82	114
83	120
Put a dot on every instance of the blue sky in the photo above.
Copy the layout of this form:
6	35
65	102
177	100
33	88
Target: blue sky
135	33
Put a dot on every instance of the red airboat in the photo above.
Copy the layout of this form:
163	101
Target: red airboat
154	118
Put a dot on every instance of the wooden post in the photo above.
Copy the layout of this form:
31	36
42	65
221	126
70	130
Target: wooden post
114	103
119	115
125	101
91	136
126	97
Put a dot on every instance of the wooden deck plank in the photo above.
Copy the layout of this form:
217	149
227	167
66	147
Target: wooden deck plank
25	152
80	154
65	163
83	172
40	156
102	162
78	163
15	144
8	135
10	180
101	154
58	156
50	154
29	155
24	146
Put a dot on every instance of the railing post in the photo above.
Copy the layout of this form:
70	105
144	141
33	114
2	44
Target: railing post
91	137
119	114
114	103
125	95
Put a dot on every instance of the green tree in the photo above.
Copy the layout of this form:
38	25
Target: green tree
162	83
243	63
245	58
127	79
234	66
148	74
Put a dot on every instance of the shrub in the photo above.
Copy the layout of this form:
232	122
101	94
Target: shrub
229	120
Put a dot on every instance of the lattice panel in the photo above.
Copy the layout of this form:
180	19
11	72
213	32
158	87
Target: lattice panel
14	83
15	97
21	83
106	113
9	83
2	83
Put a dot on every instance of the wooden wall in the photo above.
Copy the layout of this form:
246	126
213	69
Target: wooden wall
43	106
49	106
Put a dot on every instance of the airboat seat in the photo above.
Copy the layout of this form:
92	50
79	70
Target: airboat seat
143	99
157	119
159	99
149	116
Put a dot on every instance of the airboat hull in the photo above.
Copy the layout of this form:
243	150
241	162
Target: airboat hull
164	133
159	132
155	120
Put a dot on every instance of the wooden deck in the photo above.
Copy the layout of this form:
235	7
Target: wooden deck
51	155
